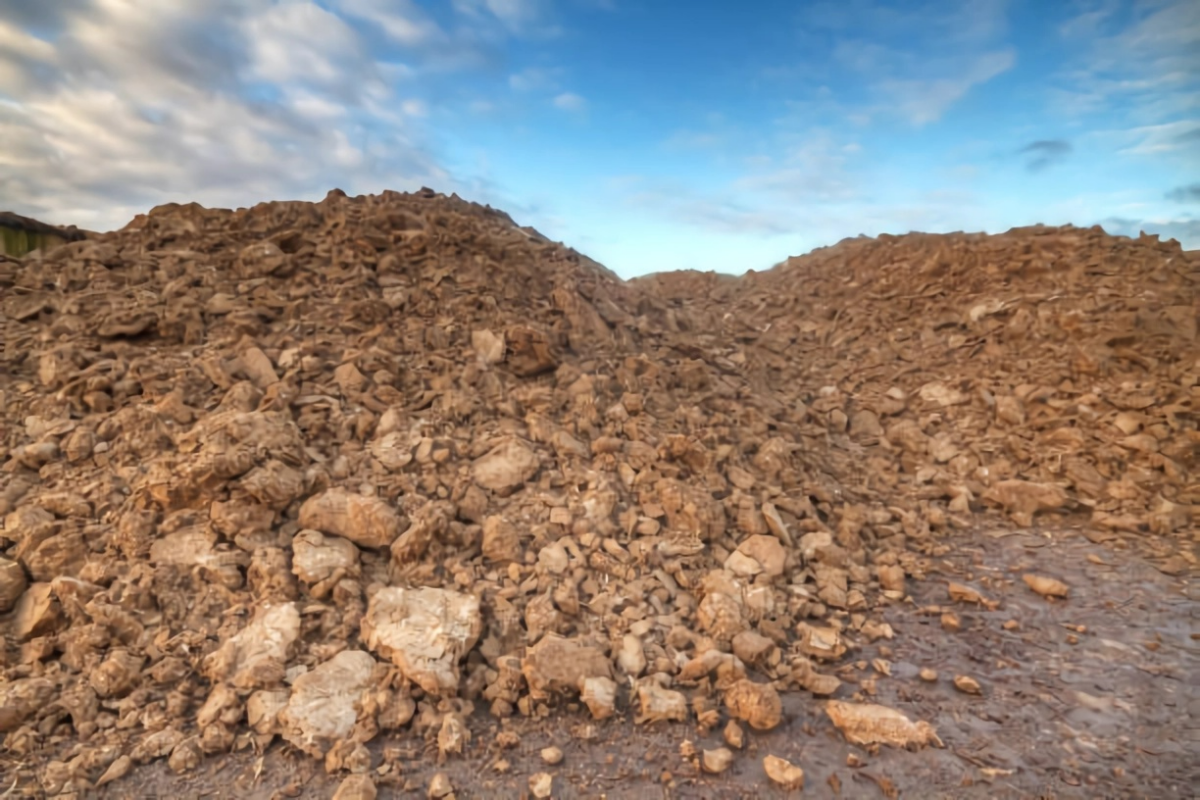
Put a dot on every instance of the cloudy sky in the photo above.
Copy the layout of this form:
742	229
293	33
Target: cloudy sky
649	134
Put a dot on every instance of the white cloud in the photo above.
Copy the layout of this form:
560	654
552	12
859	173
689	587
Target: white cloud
304	43
1146	69
401	21
226	102
569	101
925	101
534	79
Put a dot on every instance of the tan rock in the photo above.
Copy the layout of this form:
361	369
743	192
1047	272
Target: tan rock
356	787
767	551
716	761
316	557
657	704
256	656
866	723
425	632
13	584
325	702
783	773
757	704
365	521
506	467
556	664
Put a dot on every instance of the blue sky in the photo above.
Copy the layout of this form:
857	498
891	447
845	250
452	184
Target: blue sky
651	136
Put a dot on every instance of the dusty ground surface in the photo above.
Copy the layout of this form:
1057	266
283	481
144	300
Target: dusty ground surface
1112	711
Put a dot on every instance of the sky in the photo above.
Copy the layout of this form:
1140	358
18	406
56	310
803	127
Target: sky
650	135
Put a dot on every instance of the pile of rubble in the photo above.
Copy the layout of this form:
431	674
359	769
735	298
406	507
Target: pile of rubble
1044	370
321	471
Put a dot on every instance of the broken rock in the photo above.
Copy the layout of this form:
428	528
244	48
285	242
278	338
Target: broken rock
366	521
325	702
424	632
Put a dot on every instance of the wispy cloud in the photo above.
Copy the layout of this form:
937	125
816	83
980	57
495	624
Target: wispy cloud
1043	154
1185	194
535	79
569	101
1142	65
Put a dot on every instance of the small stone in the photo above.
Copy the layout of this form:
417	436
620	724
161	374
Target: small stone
541	784
928	675
440	786
950	622
734	735
553	756
356	787
783	772
718	760
1046	587
967	685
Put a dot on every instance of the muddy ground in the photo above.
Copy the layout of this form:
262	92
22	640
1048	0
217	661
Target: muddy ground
1094	696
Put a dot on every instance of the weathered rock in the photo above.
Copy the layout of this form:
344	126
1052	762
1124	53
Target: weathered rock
316	557
256	657
12	584
424	632
365	521
356	787
505	468
325	703
556	665
757	704
784	773
865	723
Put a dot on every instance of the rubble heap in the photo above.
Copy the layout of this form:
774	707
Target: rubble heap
1050	370
318	471
313	471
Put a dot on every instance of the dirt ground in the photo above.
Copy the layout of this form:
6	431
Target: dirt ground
1093	696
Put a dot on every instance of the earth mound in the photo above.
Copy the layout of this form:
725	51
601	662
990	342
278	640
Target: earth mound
317	471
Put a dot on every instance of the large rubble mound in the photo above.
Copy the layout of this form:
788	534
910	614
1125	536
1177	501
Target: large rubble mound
317	471
1040	370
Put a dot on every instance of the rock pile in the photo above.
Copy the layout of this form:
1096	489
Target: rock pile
1041	370
320	471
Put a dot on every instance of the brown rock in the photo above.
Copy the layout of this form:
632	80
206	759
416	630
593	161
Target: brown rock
365	521
424	632
767	551
865	723
12	584
325	703
316	557
556	664
356	787
256	656
784	773
506	467
757	704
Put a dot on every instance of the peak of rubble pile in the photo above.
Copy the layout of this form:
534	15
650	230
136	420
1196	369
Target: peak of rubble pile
314	471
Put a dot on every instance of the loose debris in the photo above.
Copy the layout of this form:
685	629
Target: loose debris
783	772
865	723
1046	587
317	471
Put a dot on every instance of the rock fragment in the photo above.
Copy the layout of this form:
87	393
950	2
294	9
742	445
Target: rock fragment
425	632
783	773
